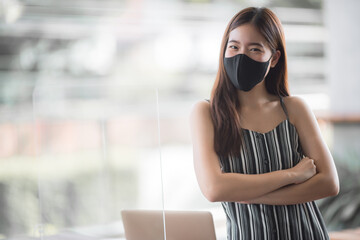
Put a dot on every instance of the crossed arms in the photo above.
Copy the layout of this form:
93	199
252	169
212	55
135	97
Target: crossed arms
314	177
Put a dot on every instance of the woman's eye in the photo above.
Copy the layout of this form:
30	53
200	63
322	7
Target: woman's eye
255	49
233	47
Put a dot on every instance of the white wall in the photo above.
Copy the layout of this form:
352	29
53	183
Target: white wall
342	20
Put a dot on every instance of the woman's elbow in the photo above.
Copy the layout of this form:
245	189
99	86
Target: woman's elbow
211	197
335	188
212	192
332	186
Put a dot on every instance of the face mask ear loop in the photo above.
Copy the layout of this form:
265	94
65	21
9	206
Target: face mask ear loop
272	54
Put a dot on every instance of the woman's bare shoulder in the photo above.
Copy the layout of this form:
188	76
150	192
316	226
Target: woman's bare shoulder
200	111
297	108
200	107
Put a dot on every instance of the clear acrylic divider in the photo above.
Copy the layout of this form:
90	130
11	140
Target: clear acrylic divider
98	154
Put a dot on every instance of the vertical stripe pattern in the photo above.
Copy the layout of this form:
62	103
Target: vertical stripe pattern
261	153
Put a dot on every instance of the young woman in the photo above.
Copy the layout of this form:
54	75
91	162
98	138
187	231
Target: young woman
257	149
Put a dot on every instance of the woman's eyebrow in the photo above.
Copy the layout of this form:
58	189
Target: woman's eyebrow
257	44
252	43
233	41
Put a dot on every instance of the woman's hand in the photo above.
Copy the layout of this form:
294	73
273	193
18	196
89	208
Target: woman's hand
304	170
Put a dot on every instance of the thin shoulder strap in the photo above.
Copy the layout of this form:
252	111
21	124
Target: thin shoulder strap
207	100
284	108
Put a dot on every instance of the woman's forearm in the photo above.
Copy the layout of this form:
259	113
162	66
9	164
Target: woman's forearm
232	187
237	187
315	188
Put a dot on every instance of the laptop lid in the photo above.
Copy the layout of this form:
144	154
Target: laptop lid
180	225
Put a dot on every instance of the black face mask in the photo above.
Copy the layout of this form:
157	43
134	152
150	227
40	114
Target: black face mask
245	72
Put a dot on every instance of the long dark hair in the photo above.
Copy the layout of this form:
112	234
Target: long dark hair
225	104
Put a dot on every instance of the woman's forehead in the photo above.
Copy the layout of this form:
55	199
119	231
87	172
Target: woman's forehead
245	34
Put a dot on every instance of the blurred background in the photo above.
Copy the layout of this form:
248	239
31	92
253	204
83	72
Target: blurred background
96	95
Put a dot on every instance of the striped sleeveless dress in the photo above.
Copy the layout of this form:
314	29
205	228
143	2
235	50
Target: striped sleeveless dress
261	153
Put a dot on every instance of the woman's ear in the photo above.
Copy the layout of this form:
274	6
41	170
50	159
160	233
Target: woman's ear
275	58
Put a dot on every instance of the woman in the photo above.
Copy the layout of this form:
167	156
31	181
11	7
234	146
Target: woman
257	149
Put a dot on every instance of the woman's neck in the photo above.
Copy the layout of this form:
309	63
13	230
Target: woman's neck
255	98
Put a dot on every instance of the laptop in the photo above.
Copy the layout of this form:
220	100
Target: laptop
180	225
